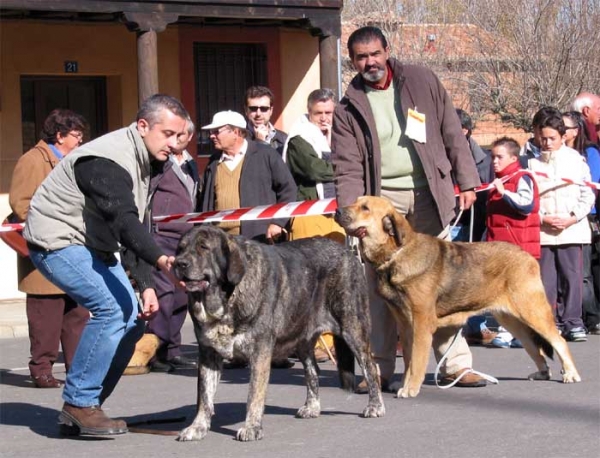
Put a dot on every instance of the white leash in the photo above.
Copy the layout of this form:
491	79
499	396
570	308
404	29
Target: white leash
489	378
353	244
443	235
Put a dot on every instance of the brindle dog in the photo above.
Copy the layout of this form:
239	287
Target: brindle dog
429	283
254	301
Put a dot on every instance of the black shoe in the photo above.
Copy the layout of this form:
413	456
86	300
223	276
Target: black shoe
363	388
161	366
235	364
594	330
284	363
183	362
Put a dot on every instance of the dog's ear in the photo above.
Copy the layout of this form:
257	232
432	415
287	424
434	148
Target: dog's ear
236	263
393	224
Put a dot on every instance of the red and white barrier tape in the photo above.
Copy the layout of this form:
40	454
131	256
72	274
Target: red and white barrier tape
287	210
12	227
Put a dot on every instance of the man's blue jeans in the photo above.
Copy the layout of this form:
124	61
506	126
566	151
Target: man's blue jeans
108	340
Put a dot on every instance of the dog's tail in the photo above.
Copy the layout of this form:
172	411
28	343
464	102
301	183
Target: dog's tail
543	344
345	363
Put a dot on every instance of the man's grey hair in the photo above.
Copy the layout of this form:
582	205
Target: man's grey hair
151	108
585	99
320	95
190	127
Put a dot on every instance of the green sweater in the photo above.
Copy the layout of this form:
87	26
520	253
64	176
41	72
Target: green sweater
401	167
307	168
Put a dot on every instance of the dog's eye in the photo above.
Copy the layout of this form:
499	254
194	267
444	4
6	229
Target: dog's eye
363	207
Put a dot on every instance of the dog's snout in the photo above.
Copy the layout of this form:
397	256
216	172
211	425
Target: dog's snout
181	263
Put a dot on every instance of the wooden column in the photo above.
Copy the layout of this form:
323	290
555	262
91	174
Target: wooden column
147	64
329	63
146	25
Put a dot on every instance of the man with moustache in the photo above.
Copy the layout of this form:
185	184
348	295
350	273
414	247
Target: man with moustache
396	134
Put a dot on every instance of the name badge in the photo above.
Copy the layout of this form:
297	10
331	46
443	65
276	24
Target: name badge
415	126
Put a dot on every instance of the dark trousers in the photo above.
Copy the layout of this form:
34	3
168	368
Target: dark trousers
591	306
562	274
167	324
52	320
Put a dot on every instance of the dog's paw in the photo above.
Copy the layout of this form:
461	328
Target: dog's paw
192	433
309	411
571	377
374	411
540	375
406	392
249	434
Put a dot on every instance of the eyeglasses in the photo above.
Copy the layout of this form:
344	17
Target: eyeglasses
77	135
254	109
216	132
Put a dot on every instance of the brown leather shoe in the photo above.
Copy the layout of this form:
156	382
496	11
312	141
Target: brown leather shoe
47	381
321	355
362	387
89	420
469	380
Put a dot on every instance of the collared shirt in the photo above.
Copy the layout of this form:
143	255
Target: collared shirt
233	161
56	152
388	80
184	172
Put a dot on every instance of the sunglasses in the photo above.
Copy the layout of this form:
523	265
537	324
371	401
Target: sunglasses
571	127
254	109
216	132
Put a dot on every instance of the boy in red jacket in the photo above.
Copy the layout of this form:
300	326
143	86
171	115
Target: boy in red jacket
512	210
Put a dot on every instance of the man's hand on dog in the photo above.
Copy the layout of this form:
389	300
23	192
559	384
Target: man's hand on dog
165	264
275	233
149	304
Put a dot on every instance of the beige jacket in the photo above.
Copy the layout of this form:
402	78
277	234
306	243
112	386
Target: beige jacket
30	171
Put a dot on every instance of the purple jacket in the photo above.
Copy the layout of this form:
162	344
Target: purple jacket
168	195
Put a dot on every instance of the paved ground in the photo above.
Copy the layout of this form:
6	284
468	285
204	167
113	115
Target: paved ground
13	321
516	418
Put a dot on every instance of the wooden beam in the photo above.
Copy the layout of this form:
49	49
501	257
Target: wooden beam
147	65
328	62
323	15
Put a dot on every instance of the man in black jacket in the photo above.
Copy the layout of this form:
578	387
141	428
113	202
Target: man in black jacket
245	173
259	109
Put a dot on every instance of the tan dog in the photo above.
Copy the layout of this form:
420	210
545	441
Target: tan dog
429	284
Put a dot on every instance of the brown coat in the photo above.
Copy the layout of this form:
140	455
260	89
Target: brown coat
30	171
355	144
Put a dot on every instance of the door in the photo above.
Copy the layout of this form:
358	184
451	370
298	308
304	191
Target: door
42	94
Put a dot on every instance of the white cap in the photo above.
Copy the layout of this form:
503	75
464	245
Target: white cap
223	118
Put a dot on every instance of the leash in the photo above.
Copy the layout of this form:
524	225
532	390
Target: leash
444	235
489	378
134	427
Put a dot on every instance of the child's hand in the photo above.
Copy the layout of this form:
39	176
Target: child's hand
499	185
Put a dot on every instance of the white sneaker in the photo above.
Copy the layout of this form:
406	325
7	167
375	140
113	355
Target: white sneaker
503	339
